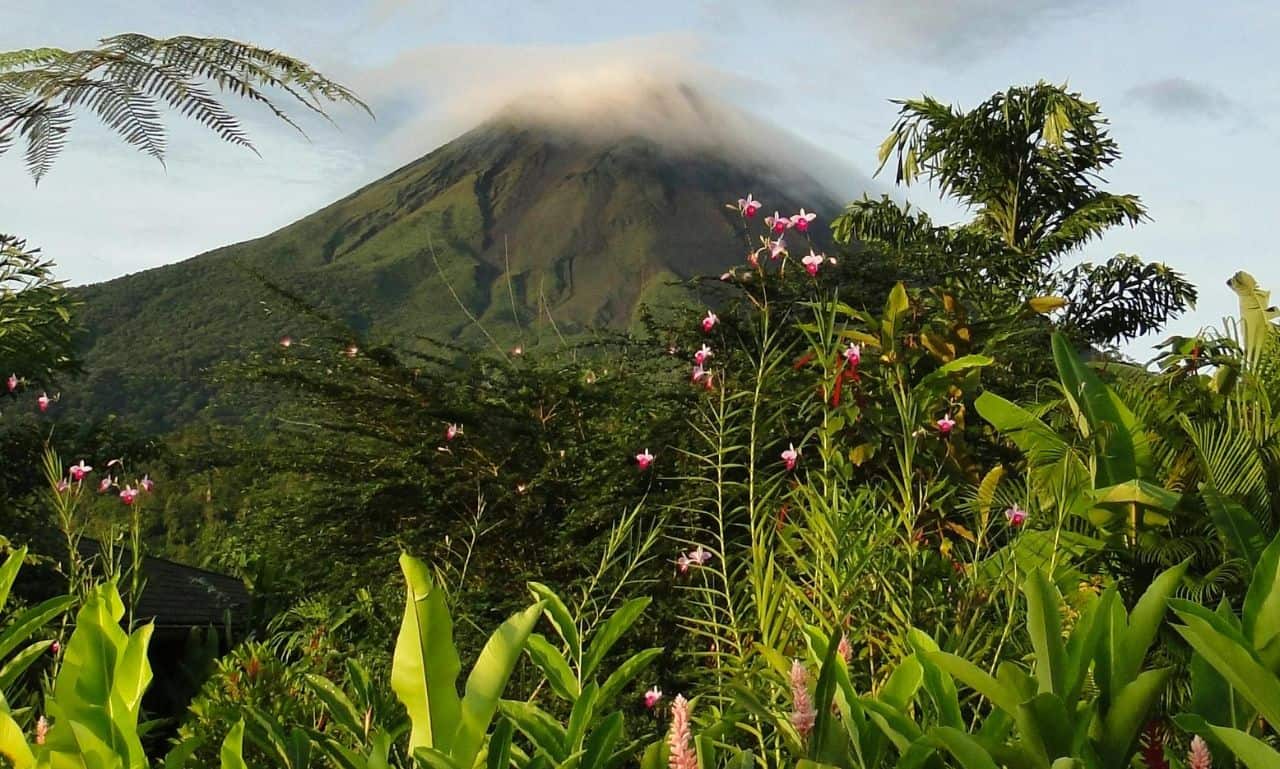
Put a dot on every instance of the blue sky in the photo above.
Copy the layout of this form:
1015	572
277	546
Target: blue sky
1187	87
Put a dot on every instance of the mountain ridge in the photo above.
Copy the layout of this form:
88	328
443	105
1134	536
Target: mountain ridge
518	222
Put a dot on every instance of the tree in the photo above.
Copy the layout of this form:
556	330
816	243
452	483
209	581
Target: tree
1028	163
126	82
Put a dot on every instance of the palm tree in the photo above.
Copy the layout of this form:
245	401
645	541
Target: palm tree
1028	163
126	82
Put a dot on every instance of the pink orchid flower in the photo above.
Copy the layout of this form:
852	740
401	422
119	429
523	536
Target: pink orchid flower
63	485
748	206
128	494
682	563
13	382
644	459
43	401
801	220
778	223
286	341
777	248
708	382
946	424
791	456
811	263
1016	516
699	556
709	322
728	276
652	697
105	484
146	484
452	431
78	472
699	373
700	357
853	354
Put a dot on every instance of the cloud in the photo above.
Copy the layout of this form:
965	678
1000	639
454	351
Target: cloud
950	31
1180	97
650	87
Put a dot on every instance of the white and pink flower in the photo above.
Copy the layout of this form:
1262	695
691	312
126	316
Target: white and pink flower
812	262
946	424
43	402
78	472
644	459
748	206
652	697
128	494
853	355
1016	516
791	456
801	220
146	484
778	223
703	355
452	431
709	322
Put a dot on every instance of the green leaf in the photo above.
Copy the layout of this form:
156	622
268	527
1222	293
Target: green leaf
9	572
425	665
903	683
538	726
626	672
554	666
27	622
937	684
1126	453
1129	712
13	744
1044	623
1253	752
340	707
939	376
1000	695
1236	663
487	681
1261	611
1237	528
231	755
964	748
599	746
581	716
610	632
178	756
499	755
560	617
1144	623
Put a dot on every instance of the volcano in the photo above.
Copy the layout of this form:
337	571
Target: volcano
513	226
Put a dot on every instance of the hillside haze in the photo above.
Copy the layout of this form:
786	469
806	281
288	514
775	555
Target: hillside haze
518	221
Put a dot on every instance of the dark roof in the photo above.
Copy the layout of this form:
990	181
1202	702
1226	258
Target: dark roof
179	596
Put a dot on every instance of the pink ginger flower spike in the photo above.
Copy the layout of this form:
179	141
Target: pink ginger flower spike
803	714
801	220
652	697
128	494
43	402
811	263
845	650
748	206
1016	516
13	382
78	472
42	730
644	459
778	223
709	322
680	740
1199	757
146	484
946	424
700	357
853	355
791	456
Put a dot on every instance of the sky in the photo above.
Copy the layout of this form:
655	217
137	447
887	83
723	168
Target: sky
1187	86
